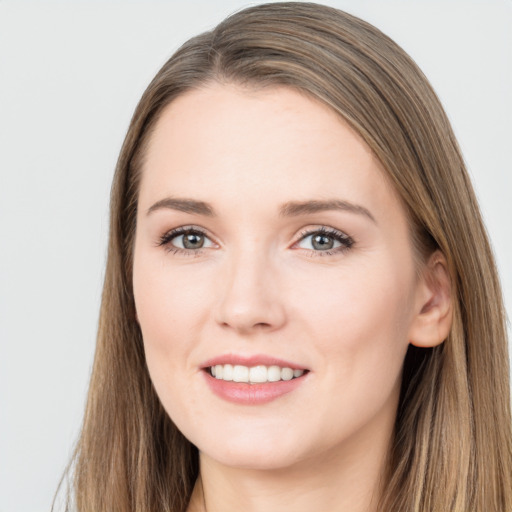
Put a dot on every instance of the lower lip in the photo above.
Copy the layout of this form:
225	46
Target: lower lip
251	394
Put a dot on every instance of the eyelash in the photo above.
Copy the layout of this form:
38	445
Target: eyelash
346	241
165	240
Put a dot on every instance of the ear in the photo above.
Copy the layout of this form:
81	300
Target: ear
433	309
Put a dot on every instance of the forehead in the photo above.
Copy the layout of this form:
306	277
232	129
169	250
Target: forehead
224	142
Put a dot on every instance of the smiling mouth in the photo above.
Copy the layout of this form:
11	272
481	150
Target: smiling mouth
259	374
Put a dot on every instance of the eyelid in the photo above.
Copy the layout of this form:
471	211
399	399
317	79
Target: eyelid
346	241
166	239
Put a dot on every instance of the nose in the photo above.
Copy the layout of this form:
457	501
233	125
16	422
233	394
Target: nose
250	297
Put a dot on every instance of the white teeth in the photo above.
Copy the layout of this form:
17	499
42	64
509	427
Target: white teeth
255	374
258	374
228	372
274	374
240	373
286	374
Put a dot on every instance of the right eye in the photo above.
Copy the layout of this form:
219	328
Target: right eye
185	240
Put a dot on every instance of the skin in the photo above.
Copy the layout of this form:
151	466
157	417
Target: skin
259	286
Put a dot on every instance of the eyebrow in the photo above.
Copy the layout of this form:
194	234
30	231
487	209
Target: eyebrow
296	208
184	205
289	209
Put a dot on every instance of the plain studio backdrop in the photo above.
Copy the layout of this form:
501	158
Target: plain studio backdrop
71	74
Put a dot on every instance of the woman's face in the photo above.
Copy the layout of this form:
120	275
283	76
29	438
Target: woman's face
268	238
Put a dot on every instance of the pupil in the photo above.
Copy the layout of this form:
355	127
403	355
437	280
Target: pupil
322	242
193	241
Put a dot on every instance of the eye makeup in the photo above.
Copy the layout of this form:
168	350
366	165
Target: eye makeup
325	241
193	241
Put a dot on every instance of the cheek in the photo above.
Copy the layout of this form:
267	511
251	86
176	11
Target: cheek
167	301
360	317
169	310
358	324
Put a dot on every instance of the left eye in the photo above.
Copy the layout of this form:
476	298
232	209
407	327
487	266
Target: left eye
324	241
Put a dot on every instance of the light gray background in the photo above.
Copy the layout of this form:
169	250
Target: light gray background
70	76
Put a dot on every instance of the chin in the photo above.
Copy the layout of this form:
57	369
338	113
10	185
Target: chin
255	459
254	452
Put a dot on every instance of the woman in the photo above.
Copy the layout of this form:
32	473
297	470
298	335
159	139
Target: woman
301	309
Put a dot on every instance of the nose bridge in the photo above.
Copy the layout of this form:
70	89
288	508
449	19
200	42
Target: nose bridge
250	296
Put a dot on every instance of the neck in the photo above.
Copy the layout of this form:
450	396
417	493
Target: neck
338	481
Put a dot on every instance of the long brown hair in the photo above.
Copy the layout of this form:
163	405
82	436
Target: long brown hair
452	447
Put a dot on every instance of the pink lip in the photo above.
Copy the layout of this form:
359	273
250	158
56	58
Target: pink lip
251	394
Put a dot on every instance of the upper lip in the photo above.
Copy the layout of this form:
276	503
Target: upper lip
253	360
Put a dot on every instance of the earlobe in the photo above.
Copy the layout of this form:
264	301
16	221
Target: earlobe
433	317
